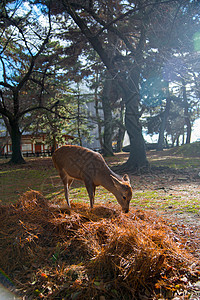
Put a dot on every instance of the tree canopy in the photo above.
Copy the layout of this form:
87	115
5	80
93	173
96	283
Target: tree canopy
149	48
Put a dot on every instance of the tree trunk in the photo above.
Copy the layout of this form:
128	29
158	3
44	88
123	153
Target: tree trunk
120	138
17	157
163	125
137	158
121	130
186	113
177	141
131	97
128	85
183	140
54	144
99	121
79	121
108	123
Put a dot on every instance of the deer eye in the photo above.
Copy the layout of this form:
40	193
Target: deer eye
124	197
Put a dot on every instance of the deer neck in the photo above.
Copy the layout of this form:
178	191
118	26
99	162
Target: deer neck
110	183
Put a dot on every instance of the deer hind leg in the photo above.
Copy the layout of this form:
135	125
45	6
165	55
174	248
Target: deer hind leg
67	182
70	181
91	191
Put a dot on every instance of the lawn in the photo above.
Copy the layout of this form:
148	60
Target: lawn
175	188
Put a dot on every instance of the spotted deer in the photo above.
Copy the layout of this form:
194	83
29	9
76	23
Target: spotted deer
76	162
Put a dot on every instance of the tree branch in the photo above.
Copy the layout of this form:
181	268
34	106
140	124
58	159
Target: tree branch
7	85
27	75
95	42
28	110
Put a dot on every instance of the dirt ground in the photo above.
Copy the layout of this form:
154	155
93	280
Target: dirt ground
177	194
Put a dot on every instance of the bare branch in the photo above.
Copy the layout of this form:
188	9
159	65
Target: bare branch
7	85
27	75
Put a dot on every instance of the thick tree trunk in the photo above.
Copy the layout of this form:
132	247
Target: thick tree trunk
17	157
131	96
128	82
137	158
131	91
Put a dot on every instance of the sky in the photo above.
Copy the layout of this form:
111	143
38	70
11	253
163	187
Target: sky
196	131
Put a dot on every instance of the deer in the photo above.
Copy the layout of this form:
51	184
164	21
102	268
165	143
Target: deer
88	166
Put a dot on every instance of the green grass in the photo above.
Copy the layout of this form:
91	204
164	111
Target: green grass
186	156
15	182
176	162
149	199
39	174
79	194
36	174
188	150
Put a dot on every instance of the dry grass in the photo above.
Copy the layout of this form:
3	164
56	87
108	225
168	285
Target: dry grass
91	254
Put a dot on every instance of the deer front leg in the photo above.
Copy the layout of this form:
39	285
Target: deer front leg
67	182
91	191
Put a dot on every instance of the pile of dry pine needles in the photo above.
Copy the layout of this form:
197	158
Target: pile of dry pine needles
91	254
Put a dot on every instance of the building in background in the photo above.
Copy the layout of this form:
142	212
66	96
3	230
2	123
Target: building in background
30	144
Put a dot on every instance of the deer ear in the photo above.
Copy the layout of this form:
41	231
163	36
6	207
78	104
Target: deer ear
115	181
126	178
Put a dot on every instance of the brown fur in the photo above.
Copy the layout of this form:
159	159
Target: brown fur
75	162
